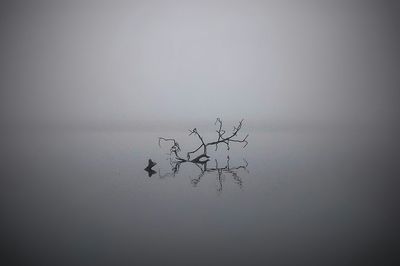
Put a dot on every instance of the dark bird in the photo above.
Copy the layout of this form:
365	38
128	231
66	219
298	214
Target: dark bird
148	169
151	164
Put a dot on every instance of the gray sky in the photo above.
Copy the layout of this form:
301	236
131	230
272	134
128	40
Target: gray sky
130	61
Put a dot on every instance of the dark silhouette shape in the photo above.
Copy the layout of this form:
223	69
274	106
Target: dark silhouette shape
203	157
204	169
150	172
148	169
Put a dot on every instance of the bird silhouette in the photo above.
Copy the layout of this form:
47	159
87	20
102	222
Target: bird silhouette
148	169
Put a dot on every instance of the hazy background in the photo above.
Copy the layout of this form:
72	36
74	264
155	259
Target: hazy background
124	62
122	73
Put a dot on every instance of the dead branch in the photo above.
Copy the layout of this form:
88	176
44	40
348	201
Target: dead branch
174	149
222	139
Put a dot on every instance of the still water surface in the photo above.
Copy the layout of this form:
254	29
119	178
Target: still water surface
81	197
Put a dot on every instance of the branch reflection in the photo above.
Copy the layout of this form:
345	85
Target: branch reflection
221	171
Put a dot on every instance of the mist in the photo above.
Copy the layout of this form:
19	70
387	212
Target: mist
99	168
132	62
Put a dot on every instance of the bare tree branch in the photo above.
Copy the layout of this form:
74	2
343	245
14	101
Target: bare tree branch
202	159
231	138
175	148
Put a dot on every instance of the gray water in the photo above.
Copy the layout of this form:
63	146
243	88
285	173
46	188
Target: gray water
297	197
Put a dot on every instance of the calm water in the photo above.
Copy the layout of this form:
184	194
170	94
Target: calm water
289	198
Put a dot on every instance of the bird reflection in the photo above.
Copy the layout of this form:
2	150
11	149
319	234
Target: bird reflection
150	172
221	171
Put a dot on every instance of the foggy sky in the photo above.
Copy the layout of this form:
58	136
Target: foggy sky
132	61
